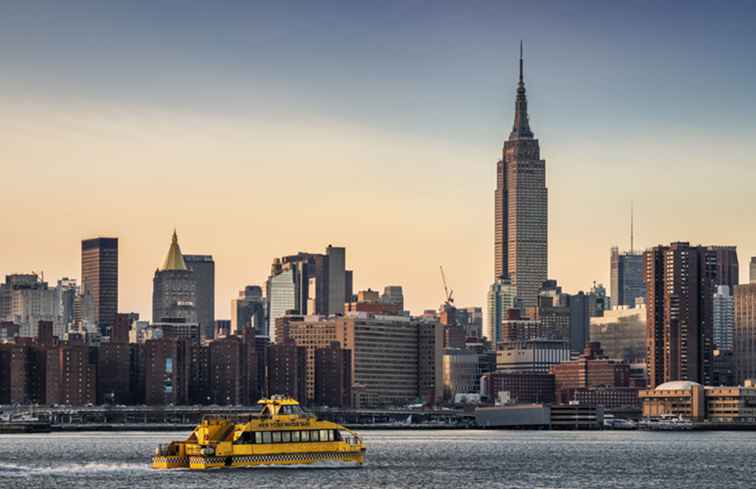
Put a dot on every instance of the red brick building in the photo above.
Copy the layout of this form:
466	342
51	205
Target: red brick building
333	376
591	370
166	371
287	370
71	374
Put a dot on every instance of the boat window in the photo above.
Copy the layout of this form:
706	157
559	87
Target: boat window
295	436
276	437
258	437
266	436
324	435
305	436
246	437
286	436
336	435
314	435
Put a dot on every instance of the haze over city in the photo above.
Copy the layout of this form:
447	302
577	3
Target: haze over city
374	128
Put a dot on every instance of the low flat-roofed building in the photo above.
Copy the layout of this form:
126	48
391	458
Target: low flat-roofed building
528	416
735	404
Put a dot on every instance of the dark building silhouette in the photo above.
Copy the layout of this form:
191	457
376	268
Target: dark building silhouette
22	374
200	391
99	279
113	373
203	270
680	283
728	269
522	387
333	376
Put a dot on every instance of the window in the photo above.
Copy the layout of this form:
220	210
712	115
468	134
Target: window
286	436
276	437
314	435
305	436
258	437
324	435
266	436
295	436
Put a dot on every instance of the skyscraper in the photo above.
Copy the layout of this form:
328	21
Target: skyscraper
248	311
626	277
679	338
724	318
203	270
728	270
174	290
745	332
336	279
99	279
521	208
281	294
502	296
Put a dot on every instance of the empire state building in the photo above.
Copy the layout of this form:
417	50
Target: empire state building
521	234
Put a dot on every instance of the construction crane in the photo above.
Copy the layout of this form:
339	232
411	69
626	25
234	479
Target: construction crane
448	294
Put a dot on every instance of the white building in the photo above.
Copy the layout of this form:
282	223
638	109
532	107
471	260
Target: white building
723	324
502	295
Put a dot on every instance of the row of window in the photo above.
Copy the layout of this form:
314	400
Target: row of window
265	437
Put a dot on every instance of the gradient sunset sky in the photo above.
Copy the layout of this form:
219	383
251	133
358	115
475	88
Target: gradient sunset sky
262	129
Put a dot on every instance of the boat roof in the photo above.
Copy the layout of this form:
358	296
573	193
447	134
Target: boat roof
281	401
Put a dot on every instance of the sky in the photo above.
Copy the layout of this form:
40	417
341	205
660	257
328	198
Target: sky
259	129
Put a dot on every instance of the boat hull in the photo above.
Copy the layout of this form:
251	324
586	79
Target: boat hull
201	462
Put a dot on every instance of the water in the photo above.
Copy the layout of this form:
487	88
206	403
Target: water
406	459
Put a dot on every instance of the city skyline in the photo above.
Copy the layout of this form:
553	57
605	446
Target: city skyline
111	155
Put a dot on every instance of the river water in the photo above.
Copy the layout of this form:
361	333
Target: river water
407	459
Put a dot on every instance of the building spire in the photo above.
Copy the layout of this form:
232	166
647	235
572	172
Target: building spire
175	259
632	229
521	81
521	128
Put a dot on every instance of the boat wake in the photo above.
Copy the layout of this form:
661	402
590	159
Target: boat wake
319	465
17	470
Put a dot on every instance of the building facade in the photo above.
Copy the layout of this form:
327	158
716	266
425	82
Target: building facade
622	333
532	355
333	376
99	279
248	311
679	336
626	278
723	321
521	208
745	332
203	271
501	297
174	289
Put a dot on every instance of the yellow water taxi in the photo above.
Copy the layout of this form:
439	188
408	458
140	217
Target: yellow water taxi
280	434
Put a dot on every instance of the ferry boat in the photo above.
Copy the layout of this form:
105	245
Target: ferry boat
280	434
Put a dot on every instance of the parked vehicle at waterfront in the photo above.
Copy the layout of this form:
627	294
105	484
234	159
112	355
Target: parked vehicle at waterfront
667	422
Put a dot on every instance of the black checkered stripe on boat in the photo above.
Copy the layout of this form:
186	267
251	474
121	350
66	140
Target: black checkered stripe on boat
162	459
263	459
